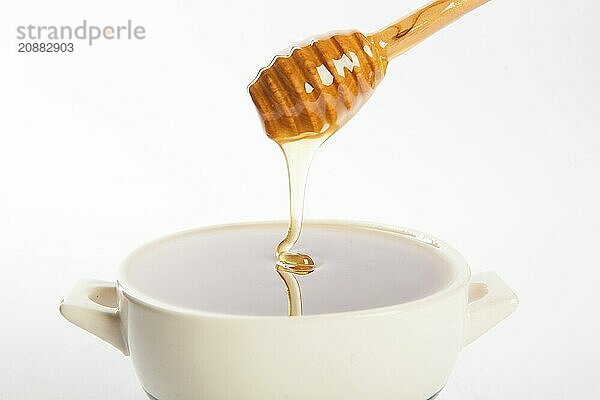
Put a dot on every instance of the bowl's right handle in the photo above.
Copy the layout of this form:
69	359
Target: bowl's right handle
92	305
490	301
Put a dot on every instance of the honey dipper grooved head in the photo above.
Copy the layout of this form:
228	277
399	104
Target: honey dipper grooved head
317	88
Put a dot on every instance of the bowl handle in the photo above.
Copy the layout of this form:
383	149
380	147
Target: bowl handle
92	305
490	301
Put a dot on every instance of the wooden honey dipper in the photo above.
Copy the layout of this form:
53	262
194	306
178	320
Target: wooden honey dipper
318	87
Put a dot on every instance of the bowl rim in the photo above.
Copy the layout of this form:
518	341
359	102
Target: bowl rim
452	257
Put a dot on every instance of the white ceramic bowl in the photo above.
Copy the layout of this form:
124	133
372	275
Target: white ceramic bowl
401	351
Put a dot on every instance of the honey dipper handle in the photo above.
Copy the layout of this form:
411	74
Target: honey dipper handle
402	35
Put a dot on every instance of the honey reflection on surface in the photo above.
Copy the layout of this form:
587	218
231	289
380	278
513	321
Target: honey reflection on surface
294	293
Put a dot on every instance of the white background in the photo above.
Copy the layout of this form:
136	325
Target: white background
487	135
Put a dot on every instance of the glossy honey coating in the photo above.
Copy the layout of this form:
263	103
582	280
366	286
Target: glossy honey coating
317	88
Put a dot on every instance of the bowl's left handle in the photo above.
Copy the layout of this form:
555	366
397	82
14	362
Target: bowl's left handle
92	305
